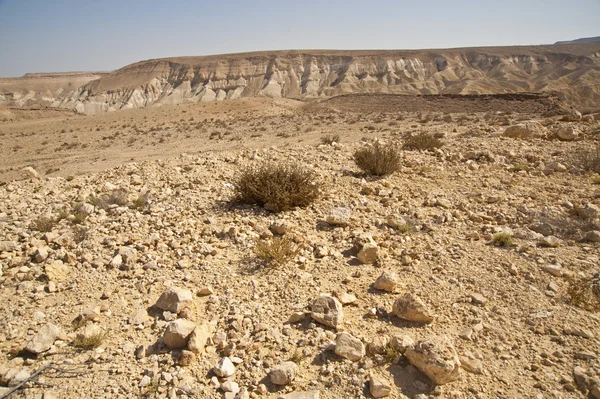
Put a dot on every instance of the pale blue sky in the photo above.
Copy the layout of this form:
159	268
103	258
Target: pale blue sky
84	35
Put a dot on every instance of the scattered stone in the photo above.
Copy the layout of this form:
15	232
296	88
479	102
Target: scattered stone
139	316
436	358
379	387
230	386
555	270
401	342
205	291
349	347
588	211
284	373
567	133
178	332
525	130
387	281
550	242
327	310
478	299
471	364
368	253
281	227
7	246
224	368
200	336
339	217
592	236
410	307
19	377
347	299
296	317
174	300
301	395
44	339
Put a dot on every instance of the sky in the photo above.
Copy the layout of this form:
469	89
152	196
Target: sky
92	35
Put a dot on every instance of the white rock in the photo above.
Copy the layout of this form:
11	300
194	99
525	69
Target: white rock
178	333
174	300
368	253
410	307
387	281
224	368
379	388
284	373
339	217
327	310
44	339
436	358
349	347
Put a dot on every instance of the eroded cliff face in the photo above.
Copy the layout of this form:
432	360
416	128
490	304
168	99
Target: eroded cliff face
573	70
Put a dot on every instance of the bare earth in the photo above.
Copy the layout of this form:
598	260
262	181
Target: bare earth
505	309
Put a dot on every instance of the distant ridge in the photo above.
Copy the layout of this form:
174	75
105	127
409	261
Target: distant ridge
582	40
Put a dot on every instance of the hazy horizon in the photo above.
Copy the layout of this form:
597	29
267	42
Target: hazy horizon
67	35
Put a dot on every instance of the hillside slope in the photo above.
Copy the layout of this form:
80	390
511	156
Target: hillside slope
573	70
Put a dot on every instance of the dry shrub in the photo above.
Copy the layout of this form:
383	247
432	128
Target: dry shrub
89	341
142	201
330	139
80	234
44	224
587	159
118	197
585	293
278	186
277	250
502	239
378	159
422	141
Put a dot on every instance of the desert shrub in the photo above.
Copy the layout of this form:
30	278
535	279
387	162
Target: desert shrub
80	234
587	159
391	354
44	224
279	186
330	139
278	250
585	293
422	141
117	197
502	239
89	341
142	201
378	159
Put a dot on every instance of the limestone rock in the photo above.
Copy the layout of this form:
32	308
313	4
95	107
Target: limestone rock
592	236
327	310
401	342
284	373
174	300
588	211
7	246
281	227
224	368
177	333
44	339
30	173
550	242
410	307
567	133
57	271
139	316
339	217
525	130
349	347
387	281
200	337
436	358
379	387
301	395
368	253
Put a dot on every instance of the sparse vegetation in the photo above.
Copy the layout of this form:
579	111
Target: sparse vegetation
277	250
378	159
503	239
277	186
585	293
44	224
391	354
587	158
80	234
422	141
142	201
89	341
330	139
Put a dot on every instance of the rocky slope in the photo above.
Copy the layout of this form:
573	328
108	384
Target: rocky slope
573	70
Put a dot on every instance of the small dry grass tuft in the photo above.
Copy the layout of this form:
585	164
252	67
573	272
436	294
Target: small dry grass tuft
502	239
277	186
422	141
142	201
89	341
391	354
80	234
378	159
44	224
585	293
587	159
278	250
330	139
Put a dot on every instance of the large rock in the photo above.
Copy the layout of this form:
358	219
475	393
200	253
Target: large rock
174	300
339	217
57	271
178	333
592	236
284	373
327	310
387	281
379	387
139	316
436	358
525	130
410	307
588	211
301	395
368	253
349	347
200	336
44	339
567	133
7	246
224	368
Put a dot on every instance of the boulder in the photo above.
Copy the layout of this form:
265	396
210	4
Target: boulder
224	368
57	271
387	281
339	217
7	246
178	333
410	307
200	336
567	133
44	339
379	387
349	347
174	300
436	358
327	310
525	130
368	253
284	373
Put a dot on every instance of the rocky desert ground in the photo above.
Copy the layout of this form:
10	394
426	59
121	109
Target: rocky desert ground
127	269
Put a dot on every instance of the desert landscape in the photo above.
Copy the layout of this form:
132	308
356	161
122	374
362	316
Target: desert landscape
316	224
